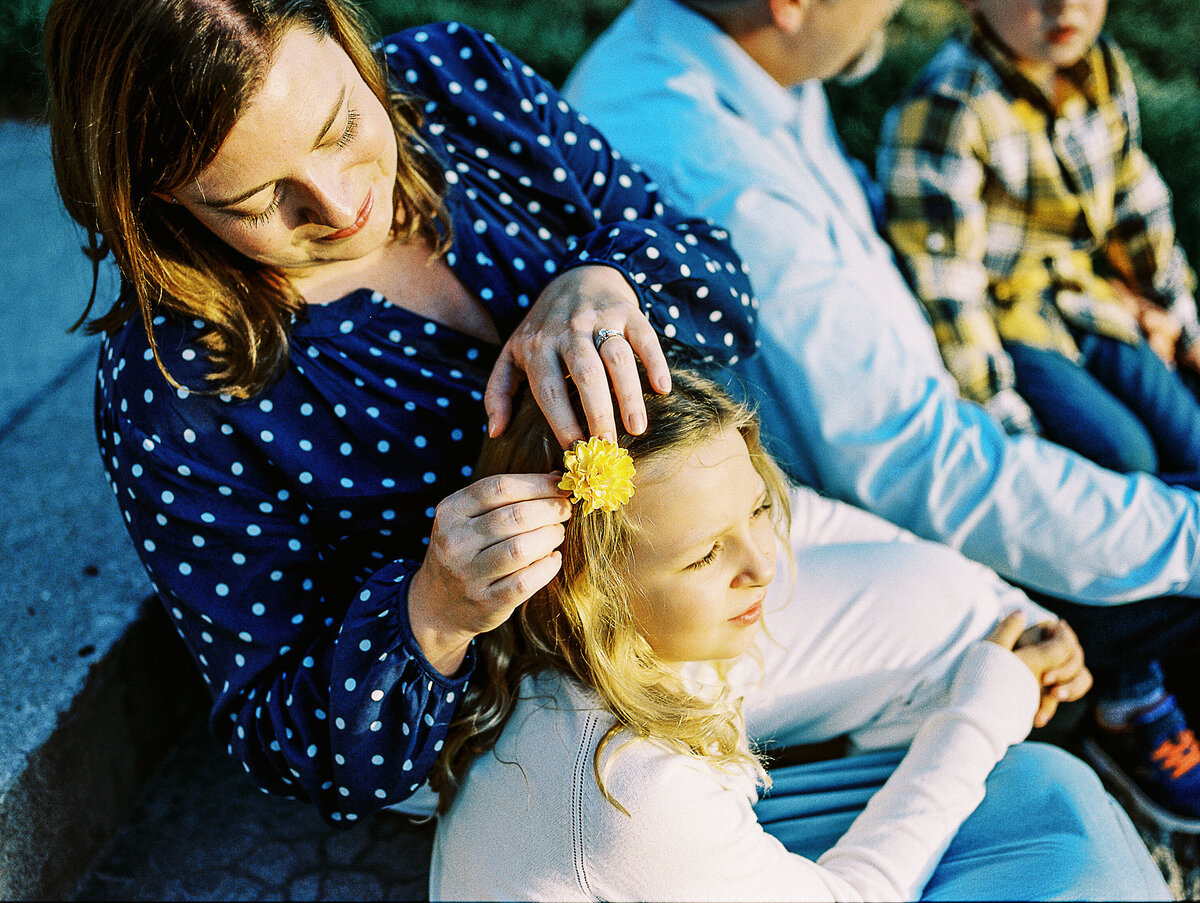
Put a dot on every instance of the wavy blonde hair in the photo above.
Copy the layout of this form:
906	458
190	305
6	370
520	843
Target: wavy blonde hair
142	95
582	624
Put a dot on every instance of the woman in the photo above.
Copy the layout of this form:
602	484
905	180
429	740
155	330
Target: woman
603	760
331	269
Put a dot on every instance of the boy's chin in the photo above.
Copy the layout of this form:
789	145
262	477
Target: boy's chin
866	62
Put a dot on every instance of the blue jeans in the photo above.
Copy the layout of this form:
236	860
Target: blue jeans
1046	829
1120	406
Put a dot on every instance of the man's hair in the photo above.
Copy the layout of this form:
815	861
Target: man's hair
582	624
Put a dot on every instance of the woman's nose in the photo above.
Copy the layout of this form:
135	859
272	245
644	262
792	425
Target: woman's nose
331	199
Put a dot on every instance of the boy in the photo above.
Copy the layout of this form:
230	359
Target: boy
1041	241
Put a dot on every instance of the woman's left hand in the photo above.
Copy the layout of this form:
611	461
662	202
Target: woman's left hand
558	340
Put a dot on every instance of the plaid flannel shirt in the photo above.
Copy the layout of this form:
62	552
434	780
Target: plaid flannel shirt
1002	208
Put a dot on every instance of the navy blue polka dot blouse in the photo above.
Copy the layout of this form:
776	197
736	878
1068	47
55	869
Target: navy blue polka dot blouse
281	532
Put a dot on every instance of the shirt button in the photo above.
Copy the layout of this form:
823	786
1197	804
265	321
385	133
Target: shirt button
936	242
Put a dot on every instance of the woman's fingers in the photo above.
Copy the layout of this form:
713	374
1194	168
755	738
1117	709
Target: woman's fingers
520	517
519	586
511	556
502	386
495	492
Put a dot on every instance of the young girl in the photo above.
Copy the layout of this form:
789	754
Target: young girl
607	755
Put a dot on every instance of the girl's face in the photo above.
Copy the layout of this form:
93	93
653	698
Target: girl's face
705	551
305	177
1051	33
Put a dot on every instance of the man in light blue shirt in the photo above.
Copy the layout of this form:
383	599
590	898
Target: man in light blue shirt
721	101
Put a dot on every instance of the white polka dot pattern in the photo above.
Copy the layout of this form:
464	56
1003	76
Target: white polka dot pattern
281	532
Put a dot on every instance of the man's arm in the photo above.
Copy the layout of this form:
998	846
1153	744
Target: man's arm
853	391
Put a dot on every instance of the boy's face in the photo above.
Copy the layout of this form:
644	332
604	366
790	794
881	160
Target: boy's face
1050	32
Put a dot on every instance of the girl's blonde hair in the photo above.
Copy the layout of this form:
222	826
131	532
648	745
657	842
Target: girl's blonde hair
142	95
582	624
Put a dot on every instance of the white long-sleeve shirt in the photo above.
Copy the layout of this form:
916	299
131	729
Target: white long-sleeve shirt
873	633
530	822
852	389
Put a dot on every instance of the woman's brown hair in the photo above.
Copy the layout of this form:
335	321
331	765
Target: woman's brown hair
142	95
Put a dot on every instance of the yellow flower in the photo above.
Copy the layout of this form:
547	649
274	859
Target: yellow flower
599	475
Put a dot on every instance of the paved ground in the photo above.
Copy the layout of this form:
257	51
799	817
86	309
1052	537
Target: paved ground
203	832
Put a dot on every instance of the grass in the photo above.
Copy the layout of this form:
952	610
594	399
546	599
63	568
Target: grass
1159	36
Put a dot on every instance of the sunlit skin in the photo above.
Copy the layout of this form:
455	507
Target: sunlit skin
807	39
303	186
700	580
1044	35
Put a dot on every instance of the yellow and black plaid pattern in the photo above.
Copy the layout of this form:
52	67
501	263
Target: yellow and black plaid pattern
1002	207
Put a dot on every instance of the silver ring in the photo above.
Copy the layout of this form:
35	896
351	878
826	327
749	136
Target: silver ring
604	335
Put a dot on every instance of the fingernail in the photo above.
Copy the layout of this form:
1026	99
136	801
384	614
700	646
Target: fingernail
637	423
491	428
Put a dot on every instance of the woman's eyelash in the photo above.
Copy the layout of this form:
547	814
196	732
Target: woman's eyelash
762	509
257	219
351	128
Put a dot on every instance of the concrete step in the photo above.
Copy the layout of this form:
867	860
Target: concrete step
94	681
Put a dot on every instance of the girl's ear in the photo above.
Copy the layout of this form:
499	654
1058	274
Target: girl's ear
789	15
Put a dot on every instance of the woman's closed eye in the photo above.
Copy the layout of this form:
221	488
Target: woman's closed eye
253	220
351	128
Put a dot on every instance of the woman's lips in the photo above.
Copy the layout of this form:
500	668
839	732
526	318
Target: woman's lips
750	615
364	214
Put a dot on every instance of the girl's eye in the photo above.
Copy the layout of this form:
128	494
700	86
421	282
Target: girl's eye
762	509
707	559
351	128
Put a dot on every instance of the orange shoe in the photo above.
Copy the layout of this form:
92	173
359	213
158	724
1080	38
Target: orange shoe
1157	759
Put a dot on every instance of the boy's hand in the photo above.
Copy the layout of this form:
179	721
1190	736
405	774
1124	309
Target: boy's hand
1162	328
1162	332
1052	652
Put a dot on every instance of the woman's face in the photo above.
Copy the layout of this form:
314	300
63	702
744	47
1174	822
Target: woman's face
305	177
705	551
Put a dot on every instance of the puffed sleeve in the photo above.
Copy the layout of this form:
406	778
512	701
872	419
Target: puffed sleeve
320	690
690	282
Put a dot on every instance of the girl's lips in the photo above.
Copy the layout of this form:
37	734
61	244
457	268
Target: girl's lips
750	615
364	214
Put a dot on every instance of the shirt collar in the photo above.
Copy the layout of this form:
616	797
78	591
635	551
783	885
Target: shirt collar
1088	75
740	83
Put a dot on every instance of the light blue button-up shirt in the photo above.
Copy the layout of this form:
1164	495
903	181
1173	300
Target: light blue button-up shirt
852	390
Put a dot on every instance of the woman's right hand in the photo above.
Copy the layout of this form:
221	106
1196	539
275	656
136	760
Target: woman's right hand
494	544
1052	652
